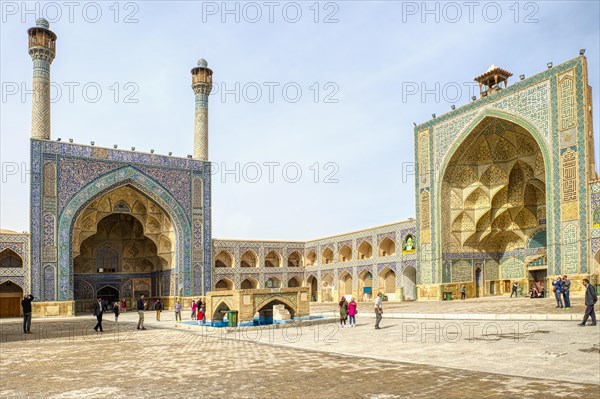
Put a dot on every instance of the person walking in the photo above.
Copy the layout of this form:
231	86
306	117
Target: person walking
590	300
352	311
123	306
343	304
177	311
116	310
26	304
566	289
557	284
463	292
378	310
98	309
158	306
193	316
140	310
515	286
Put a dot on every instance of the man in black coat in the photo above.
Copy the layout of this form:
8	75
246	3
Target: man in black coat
98	309
26	304
158	306
590	300
515	286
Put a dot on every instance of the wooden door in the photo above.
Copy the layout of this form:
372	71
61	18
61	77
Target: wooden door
10	306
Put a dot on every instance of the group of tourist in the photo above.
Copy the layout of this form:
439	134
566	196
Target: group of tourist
198	310
537	290
561	288
349	310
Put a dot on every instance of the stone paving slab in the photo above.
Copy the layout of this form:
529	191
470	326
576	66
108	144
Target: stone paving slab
169	363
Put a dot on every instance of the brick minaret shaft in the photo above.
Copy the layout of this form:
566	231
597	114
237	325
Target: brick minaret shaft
42	48
202	85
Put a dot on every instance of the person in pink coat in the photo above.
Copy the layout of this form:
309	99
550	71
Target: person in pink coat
352	311
193	309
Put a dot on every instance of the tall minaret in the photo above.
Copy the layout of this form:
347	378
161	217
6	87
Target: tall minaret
42	48
202	85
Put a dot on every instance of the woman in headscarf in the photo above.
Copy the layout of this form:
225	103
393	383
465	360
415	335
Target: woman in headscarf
343	311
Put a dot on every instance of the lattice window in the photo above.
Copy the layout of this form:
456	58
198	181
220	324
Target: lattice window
107	260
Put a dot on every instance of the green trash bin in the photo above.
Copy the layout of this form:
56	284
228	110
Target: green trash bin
598	289
448	296
232	316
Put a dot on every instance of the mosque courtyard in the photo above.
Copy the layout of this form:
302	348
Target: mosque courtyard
458	351
304	201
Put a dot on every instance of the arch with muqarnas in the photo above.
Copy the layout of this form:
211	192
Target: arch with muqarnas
487	117
126	176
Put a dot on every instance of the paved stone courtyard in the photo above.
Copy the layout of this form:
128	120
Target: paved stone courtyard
65	358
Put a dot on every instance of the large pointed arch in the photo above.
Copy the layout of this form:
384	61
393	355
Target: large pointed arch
131	176
487	224
510	117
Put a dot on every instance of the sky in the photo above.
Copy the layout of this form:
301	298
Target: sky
312	111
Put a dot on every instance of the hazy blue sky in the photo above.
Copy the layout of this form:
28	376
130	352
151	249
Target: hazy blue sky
354	116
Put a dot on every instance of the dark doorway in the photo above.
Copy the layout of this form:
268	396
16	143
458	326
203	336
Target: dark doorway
312	283
537	279
478	282
109	294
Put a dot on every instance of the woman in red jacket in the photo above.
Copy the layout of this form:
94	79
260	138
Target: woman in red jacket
200	317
